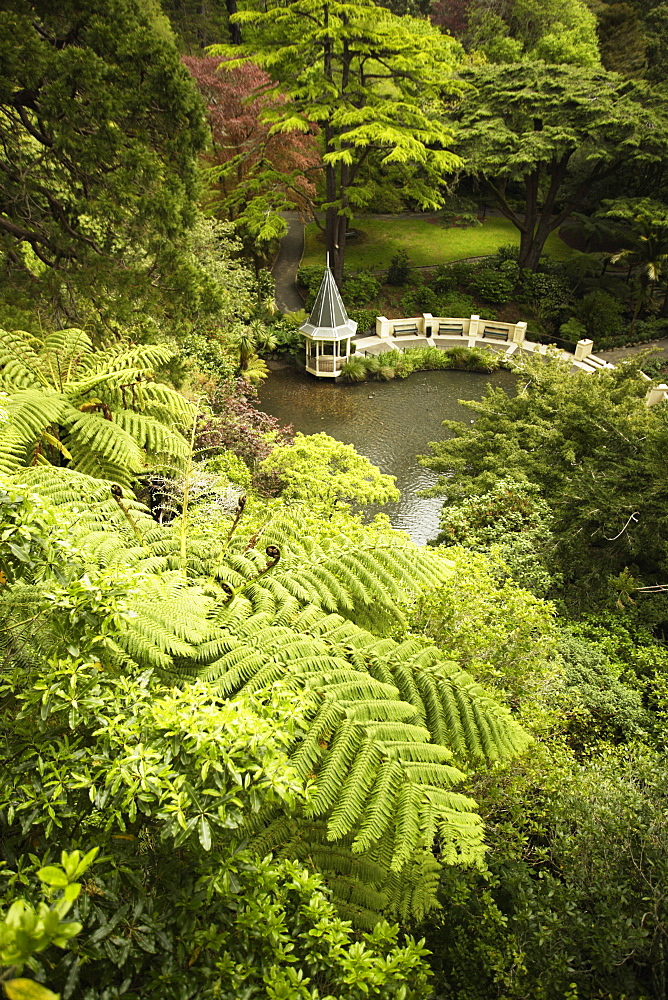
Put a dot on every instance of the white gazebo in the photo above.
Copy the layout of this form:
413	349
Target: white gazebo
328	331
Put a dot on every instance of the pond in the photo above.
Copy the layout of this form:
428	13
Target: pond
389	422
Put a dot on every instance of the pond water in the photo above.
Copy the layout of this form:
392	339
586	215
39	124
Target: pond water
389	422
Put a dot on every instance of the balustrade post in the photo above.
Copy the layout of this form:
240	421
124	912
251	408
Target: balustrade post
583	349
383	326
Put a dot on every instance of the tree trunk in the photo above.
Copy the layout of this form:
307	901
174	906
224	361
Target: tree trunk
235	29
336	225
335	239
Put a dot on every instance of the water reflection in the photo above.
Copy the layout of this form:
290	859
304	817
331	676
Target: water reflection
389	422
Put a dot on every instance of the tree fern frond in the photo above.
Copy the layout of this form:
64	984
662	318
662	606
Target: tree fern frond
379	809
407	832
31	411
20	364
105	438
356	787
152	435
12	450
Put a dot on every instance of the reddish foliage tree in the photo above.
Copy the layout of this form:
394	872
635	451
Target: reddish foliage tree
451	16
282	167
236	424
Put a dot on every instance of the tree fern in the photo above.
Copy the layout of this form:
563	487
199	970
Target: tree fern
98	412
393	727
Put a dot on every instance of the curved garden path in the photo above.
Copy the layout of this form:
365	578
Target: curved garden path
287	261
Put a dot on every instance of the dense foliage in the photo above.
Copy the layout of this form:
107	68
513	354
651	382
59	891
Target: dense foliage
99	125
367	97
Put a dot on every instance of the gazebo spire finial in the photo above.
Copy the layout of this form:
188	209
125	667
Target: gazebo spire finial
327	264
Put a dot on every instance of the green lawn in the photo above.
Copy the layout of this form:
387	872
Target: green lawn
426	242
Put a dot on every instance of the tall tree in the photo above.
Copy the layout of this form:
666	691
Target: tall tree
558	31
248	156
367	79
99	129
539	137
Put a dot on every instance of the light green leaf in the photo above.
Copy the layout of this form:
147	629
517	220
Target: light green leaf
28	989
53	876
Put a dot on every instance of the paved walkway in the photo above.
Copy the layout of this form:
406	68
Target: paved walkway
285	266
659	347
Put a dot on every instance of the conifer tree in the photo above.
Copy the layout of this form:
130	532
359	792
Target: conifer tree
367	80
99	130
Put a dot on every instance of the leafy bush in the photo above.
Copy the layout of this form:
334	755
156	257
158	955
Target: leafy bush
399	270
232	468
395	364
360	288
355	370
287	337
365	319
380	367
419	300
235	424
460	212
458	304
507	253
594	702
475	359
461	358
444	278
600	314
573	330
426	358
492	285
548	294
513	521
644	332
310	276
448	277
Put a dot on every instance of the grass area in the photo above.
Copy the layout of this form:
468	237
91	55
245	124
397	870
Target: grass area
426	242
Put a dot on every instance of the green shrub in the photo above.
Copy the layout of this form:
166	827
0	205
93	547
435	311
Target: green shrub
573	330
450	276
650	329
427	359
419	300
463	220
310	276
444	279
600	314
381	366
506	253
548	294
481	360
360	288
492	285
458	304
365	319
286	333
399	270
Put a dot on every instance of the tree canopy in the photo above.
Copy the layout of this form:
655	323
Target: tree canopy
540	137
366	79
100	126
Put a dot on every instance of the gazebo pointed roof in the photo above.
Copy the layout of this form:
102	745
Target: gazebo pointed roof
328	319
